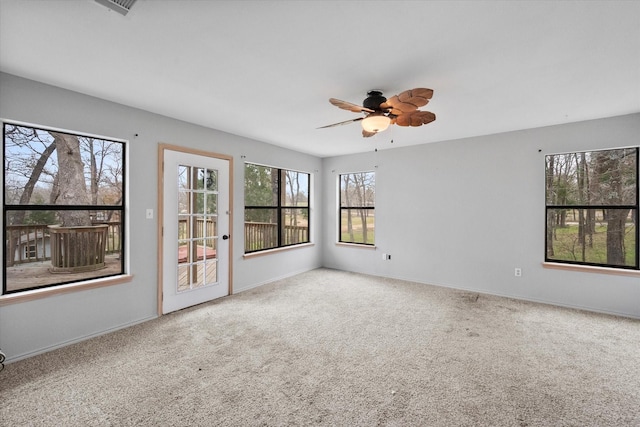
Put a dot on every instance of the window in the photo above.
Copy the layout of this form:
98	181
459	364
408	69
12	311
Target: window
357	208
63	208
592	208
276	212
30	251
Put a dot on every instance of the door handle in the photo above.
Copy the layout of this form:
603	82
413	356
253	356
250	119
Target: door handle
225	237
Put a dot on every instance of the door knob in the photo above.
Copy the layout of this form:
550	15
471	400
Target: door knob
225	237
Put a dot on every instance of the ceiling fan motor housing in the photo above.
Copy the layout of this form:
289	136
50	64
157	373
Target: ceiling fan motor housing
374	100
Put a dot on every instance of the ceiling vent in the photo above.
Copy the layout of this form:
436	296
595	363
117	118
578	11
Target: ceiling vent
121	6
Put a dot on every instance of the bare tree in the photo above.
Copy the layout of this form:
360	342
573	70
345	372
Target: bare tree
95	154
549	194
71	185
25	136
57	169
357	196
609	168
347	199
360	192
293	182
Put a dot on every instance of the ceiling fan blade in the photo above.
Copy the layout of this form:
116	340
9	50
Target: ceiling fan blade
417	93
341	123
397	107
415	118
407	101
349	106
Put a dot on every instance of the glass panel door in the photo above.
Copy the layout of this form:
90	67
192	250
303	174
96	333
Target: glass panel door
195	229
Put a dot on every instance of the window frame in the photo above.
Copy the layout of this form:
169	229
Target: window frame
551	262
352	207
280	207
66	285
30	251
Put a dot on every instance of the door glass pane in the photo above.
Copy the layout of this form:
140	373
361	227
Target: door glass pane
198	229
210	248
198	203
212	203
183	178
198	272
212	226
183	251
200	178
212	180
183	278
211	268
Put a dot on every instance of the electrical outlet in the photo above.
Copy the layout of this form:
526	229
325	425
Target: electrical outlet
388	256
384	257
518	272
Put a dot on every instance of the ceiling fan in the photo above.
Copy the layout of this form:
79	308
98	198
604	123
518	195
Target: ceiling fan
380	112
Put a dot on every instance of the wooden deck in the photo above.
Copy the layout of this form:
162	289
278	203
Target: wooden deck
202	252
184	284
34	274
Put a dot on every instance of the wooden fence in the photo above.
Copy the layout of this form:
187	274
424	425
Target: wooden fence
77	249
202	228
32	242
257	235
264	235
27	243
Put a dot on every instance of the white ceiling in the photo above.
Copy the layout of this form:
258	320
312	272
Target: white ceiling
266	69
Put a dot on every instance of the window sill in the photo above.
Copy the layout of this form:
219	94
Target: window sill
356	245
275	250
34	294
591	269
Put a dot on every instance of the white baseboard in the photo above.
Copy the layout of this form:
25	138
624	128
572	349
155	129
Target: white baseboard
75	340
271	280
522	298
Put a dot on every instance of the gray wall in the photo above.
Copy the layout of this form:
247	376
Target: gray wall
465	213
460	213
36	326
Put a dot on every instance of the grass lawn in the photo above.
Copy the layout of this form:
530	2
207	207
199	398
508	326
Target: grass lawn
567	248
358	237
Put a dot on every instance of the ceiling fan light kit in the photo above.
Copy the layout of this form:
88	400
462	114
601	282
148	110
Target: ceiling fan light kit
380	112
375	122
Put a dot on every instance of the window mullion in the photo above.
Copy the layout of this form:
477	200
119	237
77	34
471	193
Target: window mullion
279	208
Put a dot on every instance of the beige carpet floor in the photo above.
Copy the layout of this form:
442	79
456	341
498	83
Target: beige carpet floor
341	349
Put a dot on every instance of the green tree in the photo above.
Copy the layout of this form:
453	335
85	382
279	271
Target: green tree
40	217
260	189
616	172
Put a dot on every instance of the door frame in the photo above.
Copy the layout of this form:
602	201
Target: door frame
162	147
